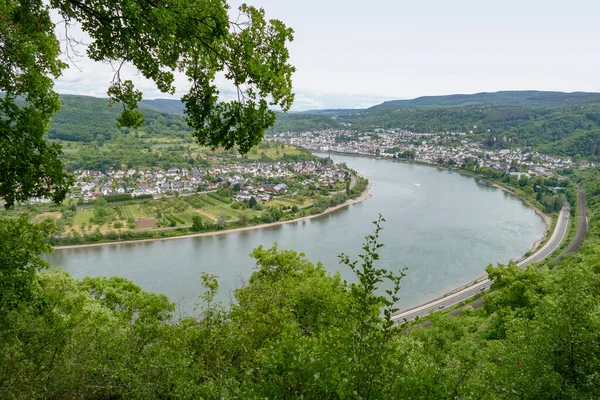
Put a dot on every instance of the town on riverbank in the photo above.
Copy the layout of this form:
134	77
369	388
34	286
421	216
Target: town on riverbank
134	204
539	179
448	148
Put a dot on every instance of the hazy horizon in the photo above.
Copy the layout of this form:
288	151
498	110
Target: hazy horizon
350	98
352	55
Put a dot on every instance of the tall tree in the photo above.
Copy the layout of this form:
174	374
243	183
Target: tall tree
158	37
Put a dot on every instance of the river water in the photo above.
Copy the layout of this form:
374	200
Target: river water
445	227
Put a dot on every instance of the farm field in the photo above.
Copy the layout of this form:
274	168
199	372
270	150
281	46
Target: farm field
167	212
145	151
273	152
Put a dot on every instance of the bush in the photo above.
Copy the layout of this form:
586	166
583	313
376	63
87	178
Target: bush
197	223
267	218
172	221
252	202
118	197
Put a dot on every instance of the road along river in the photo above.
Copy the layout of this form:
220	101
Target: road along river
464	293
443	226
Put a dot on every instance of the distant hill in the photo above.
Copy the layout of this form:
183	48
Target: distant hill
85	119
301	122
170	106
339	111
516	98
526	98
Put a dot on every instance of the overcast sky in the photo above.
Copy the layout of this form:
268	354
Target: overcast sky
351	53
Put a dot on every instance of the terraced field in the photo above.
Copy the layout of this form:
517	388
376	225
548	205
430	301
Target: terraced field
134	211
172	212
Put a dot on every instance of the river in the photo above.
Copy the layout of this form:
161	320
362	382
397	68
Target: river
445	227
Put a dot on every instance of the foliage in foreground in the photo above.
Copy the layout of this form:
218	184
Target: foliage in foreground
296	331
158	37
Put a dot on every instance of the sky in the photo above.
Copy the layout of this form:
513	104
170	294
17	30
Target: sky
355	54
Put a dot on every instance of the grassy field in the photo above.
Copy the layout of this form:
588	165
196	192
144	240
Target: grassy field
272	152
45	215
134	211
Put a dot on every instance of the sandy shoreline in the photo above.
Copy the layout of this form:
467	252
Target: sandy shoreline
364	196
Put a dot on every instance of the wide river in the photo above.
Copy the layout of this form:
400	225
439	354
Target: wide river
445	227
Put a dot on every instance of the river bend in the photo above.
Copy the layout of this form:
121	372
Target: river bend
443	226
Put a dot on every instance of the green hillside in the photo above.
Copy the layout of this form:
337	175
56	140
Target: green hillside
164	106
303	122
583	143
85	119
525	98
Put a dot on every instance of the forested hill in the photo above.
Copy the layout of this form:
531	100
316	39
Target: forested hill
554	122
170	106
85	119
525	98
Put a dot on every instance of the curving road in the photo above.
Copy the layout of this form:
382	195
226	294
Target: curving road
457	296
582	226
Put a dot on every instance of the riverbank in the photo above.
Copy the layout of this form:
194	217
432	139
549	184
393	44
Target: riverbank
547	219
364	196
172	267
468	291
